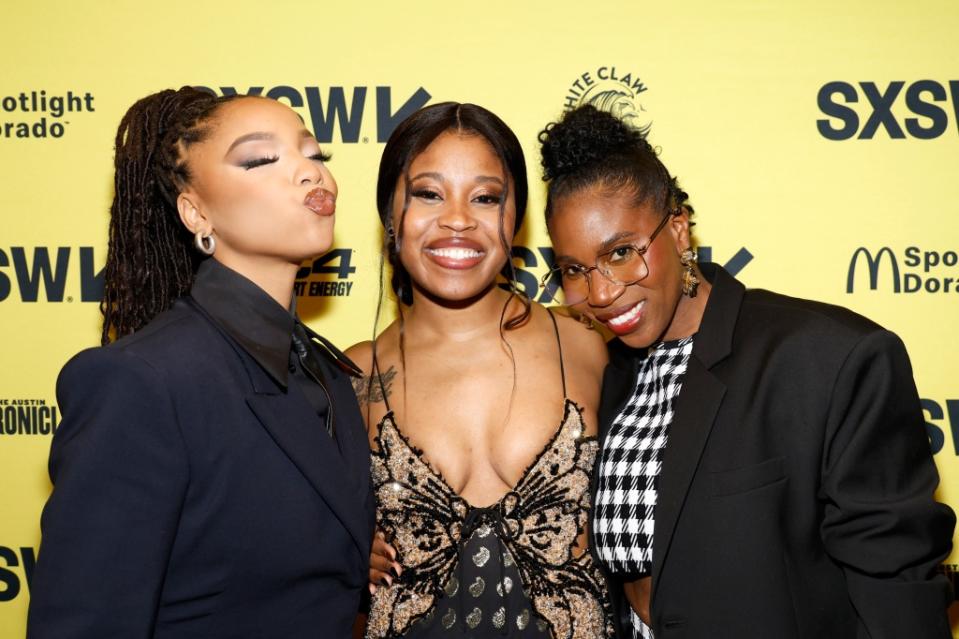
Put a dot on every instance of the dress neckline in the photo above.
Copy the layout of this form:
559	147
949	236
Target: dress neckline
569	406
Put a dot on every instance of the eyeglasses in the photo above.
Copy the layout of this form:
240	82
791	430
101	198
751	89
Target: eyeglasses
623	266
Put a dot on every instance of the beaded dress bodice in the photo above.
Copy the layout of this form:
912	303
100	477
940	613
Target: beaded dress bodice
511	569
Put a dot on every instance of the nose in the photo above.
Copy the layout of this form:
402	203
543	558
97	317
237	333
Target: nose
602	292
309	171
456	216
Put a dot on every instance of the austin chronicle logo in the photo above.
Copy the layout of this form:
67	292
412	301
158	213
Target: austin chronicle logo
610	89
915	270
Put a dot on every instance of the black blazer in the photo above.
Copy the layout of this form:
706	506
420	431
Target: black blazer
195	498
796	494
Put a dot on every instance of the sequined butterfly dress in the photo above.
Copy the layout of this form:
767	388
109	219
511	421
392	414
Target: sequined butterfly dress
507	570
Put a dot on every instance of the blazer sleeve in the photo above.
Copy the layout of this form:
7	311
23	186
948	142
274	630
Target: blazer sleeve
881	521
119	473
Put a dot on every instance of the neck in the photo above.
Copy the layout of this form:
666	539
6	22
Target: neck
460	321
275	277
689	311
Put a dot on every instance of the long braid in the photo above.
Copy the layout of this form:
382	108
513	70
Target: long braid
149	261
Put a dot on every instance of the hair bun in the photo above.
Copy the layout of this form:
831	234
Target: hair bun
585	136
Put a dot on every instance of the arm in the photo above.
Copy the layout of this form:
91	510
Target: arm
119	472
881	522
383	567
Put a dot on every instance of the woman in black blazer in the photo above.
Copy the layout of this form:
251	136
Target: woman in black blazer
764	469
211	472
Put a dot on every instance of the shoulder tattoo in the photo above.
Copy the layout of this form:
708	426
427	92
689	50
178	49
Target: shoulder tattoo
370	390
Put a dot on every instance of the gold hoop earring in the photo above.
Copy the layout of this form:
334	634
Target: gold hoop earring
690	281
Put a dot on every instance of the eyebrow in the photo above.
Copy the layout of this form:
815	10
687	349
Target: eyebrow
439	177
605	246
261	135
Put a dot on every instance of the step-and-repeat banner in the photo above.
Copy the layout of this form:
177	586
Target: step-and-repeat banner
819	142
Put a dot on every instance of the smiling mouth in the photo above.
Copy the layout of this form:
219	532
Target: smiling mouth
627	320
455	257
456	253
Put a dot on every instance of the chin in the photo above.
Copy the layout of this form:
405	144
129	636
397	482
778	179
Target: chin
455	291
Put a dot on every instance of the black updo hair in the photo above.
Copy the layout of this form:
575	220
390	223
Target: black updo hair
589	147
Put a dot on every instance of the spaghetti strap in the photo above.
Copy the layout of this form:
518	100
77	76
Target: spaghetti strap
559	345
379	380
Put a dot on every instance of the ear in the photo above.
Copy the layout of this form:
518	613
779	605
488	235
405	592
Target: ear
191	213
679	230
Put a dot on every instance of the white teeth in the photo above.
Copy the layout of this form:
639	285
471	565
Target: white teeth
627	317
455	253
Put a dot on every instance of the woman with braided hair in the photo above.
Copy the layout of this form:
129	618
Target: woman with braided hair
211	471
764	470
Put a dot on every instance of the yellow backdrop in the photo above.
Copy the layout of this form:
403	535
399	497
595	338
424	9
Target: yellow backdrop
818	141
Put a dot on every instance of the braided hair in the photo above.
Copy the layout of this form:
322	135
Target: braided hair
149	260
590	147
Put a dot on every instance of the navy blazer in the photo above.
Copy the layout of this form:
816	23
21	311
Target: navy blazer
796	491
194	497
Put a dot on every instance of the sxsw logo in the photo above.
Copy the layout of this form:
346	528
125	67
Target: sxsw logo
12	581
46	269
342	108
923	271
927	99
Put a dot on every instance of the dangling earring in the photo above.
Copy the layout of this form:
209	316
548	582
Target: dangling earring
586	321
206	244
690	281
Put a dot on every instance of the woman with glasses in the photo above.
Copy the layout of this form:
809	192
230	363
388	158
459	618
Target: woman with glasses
764	470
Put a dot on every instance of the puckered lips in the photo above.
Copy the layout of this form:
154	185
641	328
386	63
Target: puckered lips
321	202
623	319
455	252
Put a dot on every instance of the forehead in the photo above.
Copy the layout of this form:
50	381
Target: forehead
585	220
253	114
455	153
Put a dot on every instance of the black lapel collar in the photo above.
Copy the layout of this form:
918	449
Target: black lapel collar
293	424
619	379
695	408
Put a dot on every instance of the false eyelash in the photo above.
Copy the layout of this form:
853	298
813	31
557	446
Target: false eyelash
322	157
426	193
252	164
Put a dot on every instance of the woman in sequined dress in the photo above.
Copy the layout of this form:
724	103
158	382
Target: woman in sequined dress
480	404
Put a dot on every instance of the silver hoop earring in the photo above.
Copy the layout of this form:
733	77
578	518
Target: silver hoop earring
206	244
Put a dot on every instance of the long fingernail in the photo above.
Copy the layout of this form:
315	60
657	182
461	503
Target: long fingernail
395	570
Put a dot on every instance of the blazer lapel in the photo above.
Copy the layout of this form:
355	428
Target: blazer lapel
294	426
695	408
619	380
693	416
296	430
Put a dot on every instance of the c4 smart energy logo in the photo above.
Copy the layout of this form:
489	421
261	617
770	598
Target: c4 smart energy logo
915	270
37	114
312	280
866	110
610	89
329	108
